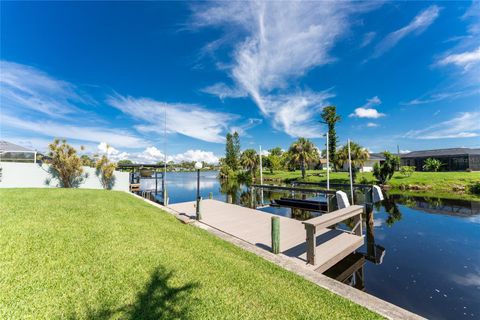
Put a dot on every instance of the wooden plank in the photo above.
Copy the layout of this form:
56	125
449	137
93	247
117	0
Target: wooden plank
334	217
335	250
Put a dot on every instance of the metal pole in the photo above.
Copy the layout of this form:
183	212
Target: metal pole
350	169
261	171
197	209
328	166
164	178
261	176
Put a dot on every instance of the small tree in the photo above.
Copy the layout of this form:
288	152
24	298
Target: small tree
385	171
250	161
302	152
87	161
274	159
359	155
432	164
65	164
126	161
106	171
232	150
407	171
330	116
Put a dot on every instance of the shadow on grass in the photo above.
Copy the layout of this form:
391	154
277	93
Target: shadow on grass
157	300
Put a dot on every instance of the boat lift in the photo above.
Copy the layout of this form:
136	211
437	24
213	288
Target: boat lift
147	180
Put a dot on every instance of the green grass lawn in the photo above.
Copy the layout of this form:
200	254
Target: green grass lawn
434	182
94	254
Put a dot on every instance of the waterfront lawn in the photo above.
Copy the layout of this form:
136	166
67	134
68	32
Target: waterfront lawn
70	253
441	181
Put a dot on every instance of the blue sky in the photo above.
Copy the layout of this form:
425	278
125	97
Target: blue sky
400	73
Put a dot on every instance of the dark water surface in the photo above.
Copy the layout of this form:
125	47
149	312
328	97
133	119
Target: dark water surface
422	254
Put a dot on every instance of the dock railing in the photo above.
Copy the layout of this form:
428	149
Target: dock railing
327	220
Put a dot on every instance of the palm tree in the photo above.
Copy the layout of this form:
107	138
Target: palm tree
250	161
359	156
302	152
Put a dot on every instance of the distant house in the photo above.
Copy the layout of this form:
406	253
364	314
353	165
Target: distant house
453	159
374	158
10	152
368	165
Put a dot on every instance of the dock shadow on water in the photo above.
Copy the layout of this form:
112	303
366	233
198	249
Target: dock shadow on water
157	300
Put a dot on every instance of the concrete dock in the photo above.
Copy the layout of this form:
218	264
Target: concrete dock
254	227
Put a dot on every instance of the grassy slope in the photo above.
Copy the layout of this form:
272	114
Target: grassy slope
104	254
437	182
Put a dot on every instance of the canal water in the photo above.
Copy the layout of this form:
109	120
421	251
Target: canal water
422	254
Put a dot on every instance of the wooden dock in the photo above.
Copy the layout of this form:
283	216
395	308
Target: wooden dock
254	227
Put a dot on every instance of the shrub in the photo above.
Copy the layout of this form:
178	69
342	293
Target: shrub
66	166
407	171
432	164
385	171
474	188
106	172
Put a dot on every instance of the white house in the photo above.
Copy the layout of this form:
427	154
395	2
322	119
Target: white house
368	166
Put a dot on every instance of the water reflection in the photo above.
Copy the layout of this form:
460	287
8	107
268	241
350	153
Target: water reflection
420	253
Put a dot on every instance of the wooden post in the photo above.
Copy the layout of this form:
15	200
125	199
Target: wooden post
311	230
357	222
276	235
165	198
210	195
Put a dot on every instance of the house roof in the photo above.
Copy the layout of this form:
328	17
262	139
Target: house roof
376	156
11	147
441	152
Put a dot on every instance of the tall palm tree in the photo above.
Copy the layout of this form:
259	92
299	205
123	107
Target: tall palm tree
250	161
358	154
302	152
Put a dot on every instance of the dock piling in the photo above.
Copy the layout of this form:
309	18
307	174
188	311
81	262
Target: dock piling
276	235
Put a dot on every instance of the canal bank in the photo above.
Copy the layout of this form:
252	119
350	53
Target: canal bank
431	246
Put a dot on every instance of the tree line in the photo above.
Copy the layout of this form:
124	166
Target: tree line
302	155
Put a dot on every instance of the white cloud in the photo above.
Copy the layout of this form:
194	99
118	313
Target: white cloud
112	153
196	155
372	125
223	91
26	88
153	155
243	128
405	151
120	138
465	54
465	59
419	24
281	42
367	110
448	95
465	125
149	155
367	39
187	119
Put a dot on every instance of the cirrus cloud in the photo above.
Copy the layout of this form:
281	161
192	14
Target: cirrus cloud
191	120
276	44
